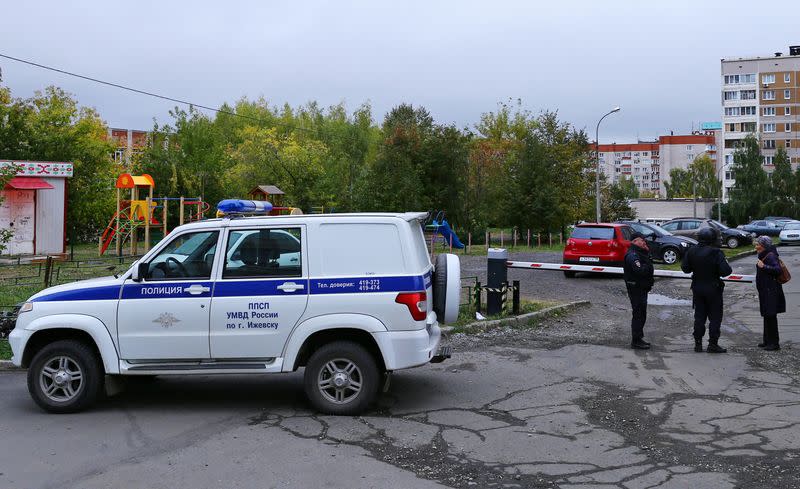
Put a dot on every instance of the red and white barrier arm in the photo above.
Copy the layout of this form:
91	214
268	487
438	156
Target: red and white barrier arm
563	267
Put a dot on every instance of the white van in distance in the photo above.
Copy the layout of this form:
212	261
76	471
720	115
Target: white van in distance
348	297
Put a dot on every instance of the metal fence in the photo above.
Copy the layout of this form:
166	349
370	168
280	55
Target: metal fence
48	271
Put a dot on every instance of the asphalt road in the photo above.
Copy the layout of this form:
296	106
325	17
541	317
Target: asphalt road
566	404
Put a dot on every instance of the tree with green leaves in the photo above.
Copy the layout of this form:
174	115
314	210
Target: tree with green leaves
699	179
627	187
51	126
752	189
782	186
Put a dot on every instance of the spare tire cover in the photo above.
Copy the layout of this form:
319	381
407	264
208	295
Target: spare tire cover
447	287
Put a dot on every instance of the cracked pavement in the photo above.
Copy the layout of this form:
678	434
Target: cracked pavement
564	404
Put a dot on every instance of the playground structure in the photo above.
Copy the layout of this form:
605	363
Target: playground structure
139	213
439	226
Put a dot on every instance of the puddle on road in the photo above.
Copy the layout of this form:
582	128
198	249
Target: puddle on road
663	300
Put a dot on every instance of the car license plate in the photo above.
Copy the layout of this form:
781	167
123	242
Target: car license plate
589	258
793	236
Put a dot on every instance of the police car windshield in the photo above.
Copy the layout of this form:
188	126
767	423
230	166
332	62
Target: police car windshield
190	245
593	232
792	225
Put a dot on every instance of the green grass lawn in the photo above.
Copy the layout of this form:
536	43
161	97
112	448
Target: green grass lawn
5	350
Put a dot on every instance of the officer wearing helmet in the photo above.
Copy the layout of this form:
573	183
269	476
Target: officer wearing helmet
638	275
708	265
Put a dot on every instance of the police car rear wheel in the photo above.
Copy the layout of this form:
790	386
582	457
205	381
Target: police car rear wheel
341	378
65	377
733	243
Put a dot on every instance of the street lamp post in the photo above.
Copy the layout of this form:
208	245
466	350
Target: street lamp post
597	155
721	188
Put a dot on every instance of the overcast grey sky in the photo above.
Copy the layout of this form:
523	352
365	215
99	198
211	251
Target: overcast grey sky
658	60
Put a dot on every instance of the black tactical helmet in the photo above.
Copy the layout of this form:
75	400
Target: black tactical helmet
707	235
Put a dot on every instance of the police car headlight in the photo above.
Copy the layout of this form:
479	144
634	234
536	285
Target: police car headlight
27	307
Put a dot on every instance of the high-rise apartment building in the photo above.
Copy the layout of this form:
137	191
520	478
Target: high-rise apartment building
760	96
648	163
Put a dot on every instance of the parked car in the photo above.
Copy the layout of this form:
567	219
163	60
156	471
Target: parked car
690	226
779	218
597	244
762	227
790	234
663	245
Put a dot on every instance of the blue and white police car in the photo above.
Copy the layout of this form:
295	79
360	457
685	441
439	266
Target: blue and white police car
350	297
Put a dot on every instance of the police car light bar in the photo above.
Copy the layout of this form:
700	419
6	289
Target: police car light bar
561	267
237	206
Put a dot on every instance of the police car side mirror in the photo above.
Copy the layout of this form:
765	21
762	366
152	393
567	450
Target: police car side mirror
139	272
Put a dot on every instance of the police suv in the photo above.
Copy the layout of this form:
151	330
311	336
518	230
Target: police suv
350	297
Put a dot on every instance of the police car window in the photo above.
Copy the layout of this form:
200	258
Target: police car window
627	233
590	232
263	253
189	255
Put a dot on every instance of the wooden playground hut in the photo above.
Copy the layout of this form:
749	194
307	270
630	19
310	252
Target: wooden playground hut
268	192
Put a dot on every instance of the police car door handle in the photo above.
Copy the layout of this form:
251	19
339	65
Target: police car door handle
197	289
290	287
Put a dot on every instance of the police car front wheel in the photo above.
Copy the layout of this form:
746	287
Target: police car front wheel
65	377
341	378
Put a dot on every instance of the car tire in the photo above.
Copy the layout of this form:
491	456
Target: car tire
344	363
670	256
732	242
65	377
569	274
446	287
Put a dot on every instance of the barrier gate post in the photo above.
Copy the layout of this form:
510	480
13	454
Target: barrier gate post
497	275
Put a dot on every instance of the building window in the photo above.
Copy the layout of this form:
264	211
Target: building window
688	147
749	110
787	94
769	94
788	143
787	111
769	111
768	160
767	79
748	78
787	127
729	175
689	156
731	111
731	95
644	153
731	79
748	95
787	78
769	127
748	127
769	144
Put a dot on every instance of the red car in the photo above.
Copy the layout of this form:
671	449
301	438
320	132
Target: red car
597	244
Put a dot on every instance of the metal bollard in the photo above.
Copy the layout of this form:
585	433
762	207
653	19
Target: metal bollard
515	297
497	275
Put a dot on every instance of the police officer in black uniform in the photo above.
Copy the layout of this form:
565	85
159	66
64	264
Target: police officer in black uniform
707	264
639	280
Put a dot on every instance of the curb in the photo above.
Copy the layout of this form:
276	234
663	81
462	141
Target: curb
742	255
544	313
7	365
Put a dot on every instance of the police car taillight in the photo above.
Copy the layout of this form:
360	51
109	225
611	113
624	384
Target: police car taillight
417	303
